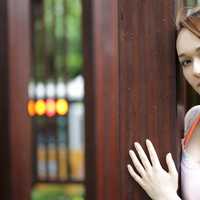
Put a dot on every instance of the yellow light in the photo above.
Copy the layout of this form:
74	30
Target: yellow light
62	107
40	107
50	107
31	108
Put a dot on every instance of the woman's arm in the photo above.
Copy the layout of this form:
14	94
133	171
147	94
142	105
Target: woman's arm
157	183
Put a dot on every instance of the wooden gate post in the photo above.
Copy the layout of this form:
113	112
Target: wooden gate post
100	31
147	82
4	136
130	72
19	57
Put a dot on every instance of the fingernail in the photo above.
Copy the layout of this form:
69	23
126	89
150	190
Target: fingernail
169	154
130	152
136	144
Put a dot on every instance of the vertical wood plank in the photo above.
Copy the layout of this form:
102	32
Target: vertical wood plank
89	101
106	93
19	56
4	136
146	102
147	83
100	30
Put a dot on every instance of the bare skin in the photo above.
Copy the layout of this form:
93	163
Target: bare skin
158	183
188	49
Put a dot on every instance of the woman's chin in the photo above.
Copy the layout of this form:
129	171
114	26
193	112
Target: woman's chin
197	90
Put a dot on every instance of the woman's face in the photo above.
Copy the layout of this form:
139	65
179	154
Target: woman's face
188	49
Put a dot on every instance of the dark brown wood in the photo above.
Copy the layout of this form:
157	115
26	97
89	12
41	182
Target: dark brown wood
106	98
147	83
89	100
131	97
4	136
19	56
101	97
128	98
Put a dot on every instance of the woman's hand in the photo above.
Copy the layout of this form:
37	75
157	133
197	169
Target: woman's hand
157	183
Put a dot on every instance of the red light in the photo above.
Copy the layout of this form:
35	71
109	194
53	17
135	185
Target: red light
50	107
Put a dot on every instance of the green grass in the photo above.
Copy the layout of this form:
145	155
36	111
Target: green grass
57	192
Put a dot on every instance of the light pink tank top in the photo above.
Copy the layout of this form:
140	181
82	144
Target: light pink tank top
190	169
190	178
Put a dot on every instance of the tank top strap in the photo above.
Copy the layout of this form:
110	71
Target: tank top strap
190	132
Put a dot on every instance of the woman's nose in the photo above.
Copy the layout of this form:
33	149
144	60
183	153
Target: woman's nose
196	67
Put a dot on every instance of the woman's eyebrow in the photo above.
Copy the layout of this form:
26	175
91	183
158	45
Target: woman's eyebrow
181	55
184	55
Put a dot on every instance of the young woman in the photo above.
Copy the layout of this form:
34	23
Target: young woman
158	183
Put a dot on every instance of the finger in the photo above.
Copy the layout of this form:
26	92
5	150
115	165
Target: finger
137	163
152	153
137	178
171	165
143	157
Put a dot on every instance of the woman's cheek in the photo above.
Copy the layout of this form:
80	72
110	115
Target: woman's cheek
187	75
189	78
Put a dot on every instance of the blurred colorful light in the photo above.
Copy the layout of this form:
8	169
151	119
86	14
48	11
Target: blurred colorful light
40	107
31	108
62	107
50	107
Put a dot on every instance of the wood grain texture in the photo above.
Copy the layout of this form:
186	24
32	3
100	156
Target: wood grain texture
101	76
147	83
19	56
133	90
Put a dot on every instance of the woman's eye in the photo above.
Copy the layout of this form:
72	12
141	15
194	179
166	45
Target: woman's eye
185	63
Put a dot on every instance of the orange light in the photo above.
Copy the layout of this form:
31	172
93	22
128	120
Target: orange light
50	107
40	107
62	107
31	108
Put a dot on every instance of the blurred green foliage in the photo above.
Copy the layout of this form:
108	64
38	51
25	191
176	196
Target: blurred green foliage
49	195
57	192
191	3
57	43
74	57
